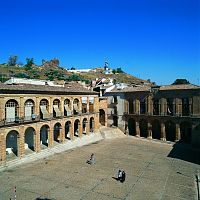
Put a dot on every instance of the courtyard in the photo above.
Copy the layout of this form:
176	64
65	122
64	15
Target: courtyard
154	170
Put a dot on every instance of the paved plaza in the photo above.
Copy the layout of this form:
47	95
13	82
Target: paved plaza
154	170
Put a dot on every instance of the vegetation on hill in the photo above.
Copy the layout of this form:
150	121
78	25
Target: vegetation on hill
50	70
180	81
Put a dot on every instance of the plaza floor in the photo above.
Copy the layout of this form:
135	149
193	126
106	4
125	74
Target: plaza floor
154	170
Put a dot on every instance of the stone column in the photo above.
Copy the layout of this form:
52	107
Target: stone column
21	107
71	128
87	127
137	106
149	130
62	134
37	106
62	106
36	137
96	105
80	106
50	106
190	106
80	129
20	142
3	146
137	127
163	133
50	136
163	106
2	109
178	132
96	122
150	105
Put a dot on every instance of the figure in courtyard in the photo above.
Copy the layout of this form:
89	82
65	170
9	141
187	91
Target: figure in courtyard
123	176
119	175
92	159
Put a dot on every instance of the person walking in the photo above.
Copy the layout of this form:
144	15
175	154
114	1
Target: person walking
123	176
119	175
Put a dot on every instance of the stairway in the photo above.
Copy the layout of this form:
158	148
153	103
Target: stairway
110	133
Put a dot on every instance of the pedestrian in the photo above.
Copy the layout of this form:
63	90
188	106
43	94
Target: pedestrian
119	175
123	176
92	159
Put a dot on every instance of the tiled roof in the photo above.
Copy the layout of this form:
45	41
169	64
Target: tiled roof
179	87
132	89
68	88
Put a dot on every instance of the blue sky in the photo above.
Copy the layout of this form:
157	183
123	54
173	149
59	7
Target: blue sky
150	39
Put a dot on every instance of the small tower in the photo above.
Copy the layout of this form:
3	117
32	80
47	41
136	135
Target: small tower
106	65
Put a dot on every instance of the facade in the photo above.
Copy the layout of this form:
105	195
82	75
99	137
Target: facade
169	113
35	117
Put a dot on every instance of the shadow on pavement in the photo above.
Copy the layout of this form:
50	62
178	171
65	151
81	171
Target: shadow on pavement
185	152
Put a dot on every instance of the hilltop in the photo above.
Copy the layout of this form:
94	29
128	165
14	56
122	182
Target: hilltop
50	70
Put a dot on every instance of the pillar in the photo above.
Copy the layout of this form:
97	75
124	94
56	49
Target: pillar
21	107
20	142
149	130
178	132
50	137
50	106
37	106
71	129
2	146
88	104
150	105
137	106
87	127
2	109
62	106
80	129
137	127
163	133
36	136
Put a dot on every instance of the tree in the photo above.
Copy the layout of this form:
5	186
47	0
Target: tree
73	68
29	64
114	71
180	81
119	70
12	60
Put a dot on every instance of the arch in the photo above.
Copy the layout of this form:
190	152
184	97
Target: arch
44	138
12	143
56	108
92	124
131	126
44	109
156	129
170	129
67	107
67	130
143	128
185	107
84	104
76	106
130	106
29	139
143	106
186	131
84	126
12	111
102	117
56	132
76	127
91	104
156	106
29	109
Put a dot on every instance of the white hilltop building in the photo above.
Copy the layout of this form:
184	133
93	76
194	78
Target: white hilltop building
14	80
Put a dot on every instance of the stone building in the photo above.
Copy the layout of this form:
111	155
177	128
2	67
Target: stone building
35	117
169	113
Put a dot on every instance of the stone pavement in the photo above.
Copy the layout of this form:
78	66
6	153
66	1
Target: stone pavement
152	173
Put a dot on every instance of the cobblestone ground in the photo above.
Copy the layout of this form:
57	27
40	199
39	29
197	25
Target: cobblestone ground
154	171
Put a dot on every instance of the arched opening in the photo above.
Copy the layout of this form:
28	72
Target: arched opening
131	126
44	131
56	133
12	144
76	106
67	106
130	106
29	107
91	124
44	109
115	121
102	117
56	108
84	126
156	130
142	106
29	140
12	111
91	104
143	128
170	129
76	127
170	106
186	132
67	130
185	107
84	104
156	107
